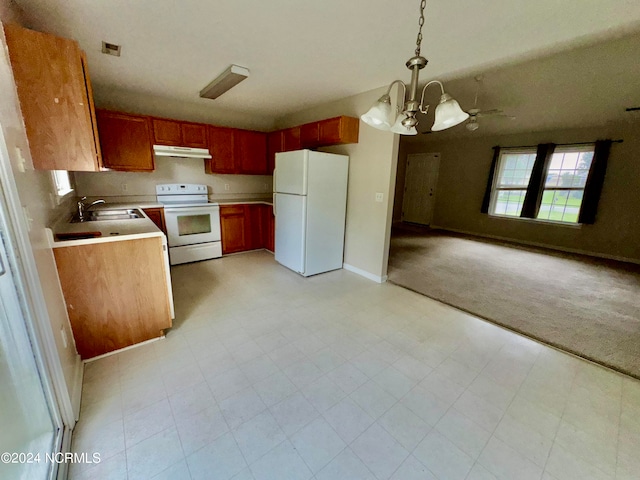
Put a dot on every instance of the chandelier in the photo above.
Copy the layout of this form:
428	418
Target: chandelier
448	112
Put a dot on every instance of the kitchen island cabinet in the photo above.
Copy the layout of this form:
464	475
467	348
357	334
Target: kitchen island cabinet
116	292
56	100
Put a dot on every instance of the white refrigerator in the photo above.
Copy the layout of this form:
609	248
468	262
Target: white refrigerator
310	203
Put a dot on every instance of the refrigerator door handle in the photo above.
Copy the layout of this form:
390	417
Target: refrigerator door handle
274	191
274	204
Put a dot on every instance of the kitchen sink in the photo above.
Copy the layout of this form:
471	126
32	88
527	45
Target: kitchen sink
110	214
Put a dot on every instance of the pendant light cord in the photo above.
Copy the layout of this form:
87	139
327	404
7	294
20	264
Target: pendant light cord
423	4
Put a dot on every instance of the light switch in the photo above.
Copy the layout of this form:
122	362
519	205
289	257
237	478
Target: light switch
379	197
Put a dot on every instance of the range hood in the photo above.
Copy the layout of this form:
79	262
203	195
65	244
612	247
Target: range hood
180	152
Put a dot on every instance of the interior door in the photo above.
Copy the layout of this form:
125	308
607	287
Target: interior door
420	188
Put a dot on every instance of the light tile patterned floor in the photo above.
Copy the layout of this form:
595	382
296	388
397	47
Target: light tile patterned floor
270	376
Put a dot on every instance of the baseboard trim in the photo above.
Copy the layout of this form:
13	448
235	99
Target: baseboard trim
539	244
364	273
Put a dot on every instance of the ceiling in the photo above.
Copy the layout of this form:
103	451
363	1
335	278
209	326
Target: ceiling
304	53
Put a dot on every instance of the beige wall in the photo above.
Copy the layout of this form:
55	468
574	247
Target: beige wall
372	166
205	111
464	168
35	188
170	170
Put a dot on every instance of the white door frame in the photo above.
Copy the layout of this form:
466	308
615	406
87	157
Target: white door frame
36	314
431	193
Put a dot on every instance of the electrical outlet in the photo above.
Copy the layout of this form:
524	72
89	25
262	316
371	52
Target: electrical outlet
379	197
124	187
226	186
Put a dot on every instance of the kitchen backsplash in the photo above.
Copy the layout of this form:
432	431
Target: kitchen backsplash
142	185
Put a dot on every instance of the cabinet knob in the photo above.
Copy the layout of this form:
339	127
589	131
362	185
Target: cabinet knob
56	100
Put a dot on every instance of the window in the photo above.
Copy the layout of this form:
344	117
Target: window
545	183
512	179
61	183
564	186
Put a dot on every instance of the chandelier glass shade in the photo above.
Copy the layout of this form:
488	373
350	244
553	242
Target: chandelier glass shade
382	116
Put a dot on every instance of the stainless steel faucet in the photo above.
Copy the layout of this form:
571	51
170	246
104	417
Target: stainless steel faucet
83	208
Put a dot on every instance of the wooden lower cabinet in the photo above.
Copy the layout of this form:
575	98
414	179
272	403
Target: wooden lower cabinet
156	215
116	293
246	227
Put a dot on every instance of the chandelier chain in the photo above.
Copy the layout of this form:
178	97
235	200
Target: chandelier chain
423	4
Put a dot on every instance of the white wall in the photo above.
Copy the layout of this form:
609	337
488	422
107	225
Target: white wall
372	168
142	185
34	188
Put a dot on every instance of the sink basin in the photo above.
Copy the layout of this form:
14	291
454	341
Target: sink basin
110	214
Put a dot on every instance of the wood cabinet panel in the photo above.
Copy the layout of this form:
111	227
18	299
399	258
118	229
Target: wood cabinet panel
116	293
270	230
255	226
291	139
250	150
309	137
53	88
166	132
222	152
156	215
338	130
232	228
194	135
125	141
274	145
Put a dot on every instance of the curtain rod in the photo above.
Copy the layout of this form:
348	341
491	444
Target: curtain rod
558	144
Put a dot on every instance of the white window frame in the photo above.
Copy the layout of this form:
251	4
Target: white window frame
62	185
496	178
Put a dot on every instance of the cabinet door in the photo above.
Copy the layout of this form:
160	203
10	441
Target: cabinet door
309	135
251	152
194	135
269	228
232	228
254	226
166	132
222	152
291	139
126	141
156	215
274	145
337	130
53	93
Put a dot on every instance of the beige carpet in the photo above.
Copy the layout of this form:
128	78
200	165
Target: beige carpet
586	306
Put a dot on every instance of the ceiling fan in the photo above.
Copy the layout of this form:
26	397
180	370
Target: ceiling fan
475	113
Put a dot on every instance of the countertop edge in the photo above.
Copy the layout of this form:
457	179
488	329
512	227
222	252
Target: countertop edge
53	243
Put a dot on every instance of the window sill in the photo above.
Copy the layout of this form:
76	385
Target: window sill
535	220
63	195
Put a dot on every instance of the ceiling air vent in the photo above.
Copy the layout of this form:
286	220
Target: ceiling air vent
111	49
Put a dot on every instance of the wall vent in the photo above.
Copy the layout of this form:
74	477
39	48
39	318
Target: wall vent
111	49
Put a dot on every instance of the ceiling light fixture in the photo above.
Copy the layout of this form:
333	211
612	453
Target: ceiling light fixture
448	112
224	82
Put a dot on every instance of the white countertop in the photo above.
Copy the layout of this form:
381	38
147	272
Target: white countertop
110	230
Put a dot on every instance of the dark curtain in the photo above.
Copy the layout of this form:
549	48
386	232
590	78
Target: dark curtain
595	180
487	193
537	180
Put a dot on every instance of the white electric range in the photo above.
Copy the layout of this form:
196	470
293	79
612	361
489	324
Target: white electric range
193	223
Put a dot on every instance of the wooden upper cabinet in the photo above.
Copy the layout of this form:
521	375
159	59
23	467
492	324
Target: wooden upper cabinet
291	139
194	135
55	98
309	137
126	141
274	145
179	134
333	131
250	150
166	132
222	152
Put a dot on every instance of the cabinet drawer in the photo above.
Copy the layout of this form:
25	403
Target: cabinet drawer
231	209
